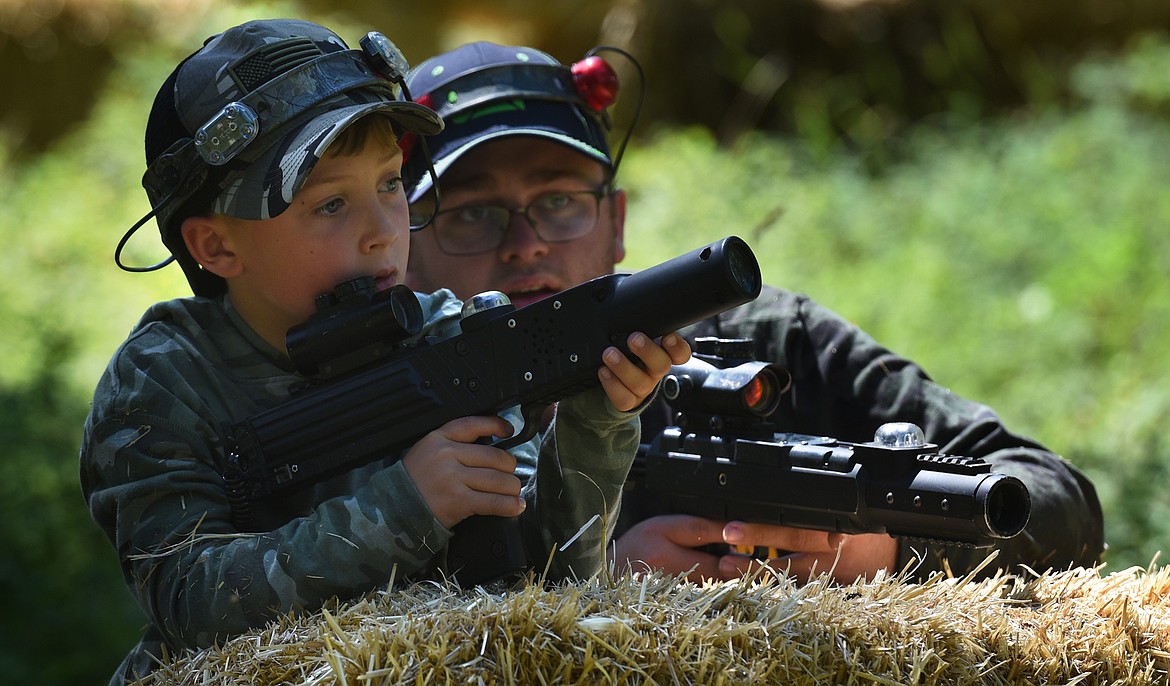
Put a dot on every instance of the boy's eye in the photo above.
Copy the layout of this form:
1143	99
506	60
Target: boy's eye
392	185
331	207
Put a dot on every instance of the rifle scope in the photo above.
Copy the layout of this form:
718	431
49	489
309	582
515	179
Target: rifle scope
354	321
751	389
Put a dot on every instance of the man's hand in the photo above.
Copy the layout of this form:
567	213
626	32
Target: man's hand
627	384
669	543
845	556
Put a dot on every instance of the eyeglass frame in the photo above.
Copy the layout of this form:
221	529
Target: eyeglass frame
605	190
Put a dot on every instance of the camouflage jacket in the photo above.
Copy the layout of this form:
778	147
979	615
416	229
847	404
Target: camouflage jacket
152	460
845	385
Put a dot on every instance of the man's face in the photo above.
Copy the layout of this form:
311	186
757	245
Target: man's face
511	173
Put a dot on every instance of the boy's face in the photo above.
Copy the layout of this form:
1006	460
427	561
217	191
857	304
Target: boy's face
512	172
349	219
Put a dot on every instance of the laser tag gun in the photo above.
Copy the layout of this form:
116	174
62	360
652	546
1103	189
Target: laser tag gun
724	461
371	397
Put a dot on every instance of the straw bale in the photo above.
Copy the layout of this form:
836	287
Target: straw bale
1075	627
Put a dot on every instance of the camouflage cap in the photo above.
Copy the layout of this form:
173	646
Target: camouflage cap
238	126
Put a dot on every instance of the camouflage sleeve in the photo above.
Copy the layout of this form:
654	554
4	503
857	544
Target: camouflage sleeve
584	459
154	485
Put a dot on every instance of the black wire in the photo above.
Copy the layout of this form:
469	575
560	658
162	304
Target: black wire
138	224
426	151
617	160
126	238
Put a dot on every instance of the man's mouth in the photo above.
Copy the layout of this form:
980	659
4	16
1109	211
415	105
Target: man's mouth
527	295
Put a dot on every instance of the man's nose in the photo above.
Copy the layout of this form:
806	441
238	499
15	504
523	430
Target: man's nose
521	241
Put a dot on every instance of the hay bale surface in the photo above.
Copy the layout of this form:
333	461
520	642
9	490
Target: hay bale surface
1075	627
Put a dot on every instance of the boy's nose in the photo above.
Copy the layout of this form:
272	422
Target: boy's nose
385	224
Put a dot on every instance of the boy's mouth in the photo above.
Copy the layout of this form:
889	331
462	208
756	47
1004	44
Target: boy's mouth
385	281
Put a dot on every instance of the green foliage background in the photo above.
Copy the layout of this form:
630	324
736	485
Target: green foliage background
1022	260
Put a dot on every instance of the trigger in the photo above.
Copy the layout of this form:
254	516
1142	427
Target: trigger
532	419
758	552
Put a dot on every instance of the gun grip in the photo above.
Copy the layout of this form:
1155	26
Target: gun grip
484	548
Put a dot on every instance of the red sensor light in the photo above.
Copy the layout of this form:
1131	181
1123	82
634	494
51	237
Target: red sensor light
596	82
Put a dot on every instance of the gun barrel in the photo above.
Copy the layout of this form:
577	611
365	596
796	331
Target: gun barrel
820	483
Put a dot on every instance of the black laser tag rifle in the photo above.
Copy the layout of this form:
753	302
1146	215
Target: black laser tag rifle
724	461
371	398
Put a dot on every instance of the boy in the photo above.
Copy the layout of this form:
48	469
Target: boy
274	173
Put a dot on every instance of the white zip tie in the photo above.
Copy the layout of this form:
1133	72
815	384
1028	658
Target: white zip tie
579	532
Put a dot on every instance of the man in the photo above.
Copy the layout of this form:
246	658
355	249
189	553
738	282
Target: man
528	206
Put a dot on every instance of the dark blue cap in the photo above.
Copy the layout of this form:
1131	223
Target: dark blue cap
486	91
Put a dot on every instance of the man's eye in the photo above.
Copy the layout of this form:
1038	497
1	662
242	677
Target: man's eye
475	214
554	201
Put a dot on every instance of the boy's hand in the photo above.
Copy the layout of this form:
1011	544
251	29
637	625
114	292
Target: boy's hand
458	477
626	384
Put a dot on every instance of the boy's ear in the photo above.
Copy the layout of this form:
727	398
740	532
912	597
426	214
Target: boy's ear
206	239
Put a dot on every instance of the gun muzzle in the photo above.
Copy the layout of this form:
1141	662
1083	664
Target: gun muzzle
684	290
1006	504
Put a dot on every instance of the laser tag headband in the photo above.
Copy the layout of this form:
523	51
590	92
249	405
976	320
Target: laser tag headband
239	125
486	91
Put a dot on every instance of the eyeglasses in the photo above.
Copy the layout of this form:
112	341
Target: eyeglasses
556	217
